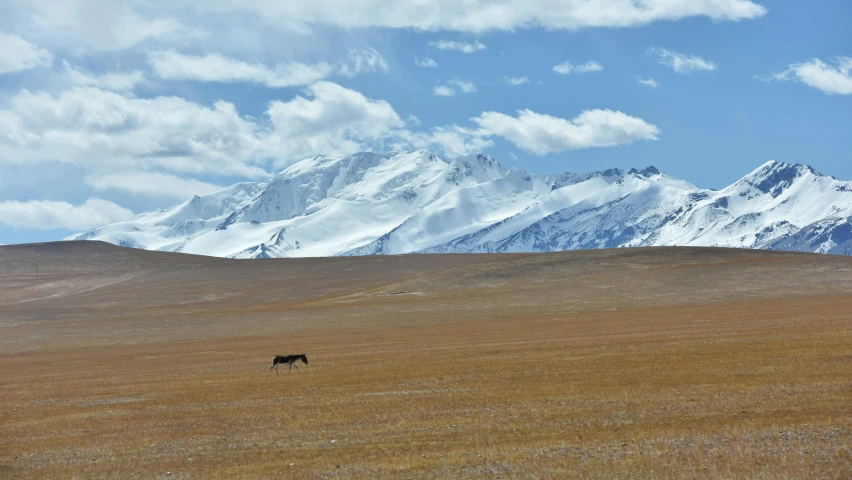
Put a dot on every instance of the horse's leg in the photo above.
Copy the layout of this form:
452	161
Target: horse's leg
297	368
276	369
290	370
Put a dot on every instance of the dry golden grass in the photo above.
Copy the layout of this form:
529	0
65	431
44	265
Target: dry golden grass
649	363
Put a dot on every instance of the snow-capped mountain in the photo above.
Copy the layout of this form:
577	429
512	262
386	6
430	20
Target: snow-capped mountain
405	202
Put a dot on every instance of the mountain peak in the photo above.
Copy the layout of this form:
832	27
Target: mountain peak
648	171
481	167
774	166
774	177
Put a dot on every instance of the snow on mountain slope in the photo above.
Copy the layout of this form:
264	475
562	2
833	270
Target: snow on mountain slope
403	202
166	229
831	235
320	206
612	209
771	203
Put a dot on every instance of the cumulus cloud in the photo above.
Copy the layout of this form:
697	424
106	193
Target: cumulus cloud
95	127
648	83
568	68
108	132
484	15
154	184
103	24
453	86
101	129
516	80
831	80
17	54
463	47
451	140
121	25
171	65
117	81
681	63
534	132
49	215
425	62
331	119
542	134
457	141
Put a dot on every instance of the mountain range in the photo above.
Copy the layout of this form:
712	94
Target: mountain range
407	202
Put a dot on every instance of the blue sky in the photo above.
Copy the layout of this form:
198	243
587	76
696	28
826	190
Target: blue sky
114	108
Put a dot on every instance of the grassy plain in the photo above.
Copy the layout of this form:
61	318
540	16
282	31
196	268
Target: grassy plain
633	363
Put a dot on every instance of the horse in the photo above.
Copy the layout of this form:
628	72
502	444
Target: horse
288	359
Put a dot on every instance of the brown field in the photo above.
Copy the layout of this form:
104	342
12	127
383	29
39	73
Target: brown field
631	363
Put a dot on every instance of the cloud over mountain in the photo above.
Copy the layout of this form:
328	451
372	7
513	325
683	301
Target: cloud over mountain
543	134
831	80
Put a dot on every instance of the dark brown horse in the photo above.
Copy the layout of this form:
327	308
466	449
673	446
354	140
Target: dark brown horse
288	359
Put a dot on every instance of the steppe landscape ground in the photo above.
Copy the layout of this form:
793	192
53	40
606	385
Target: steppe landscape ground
628	363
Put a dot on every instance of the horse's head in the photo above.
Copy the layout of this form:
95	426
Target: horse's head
304	358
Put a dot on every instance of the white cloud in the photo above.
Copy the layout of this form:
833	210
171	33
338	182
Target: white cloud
567	68
485	15
425	62
648	83
533	132
121	81
155	184
543	134
105	131
466	87
49	215
334	121
452	87
170	65
463	47
360	61
455	141
443	91
225	25
451	140
102	24
17	54
681	63
102	130
820	75
95	128
516	80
